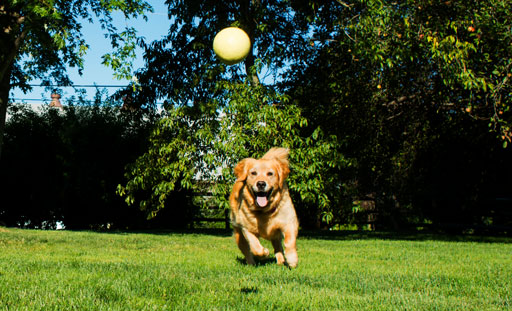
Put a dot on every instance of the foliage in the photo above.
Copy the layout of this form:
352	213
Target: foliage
38	39
462	53
50	32
56	270
218	115
63	166
406	104
182	69
364	92
197	147
402	83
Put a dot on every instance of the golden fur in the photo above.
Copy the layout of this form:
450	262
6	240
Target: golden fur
261	207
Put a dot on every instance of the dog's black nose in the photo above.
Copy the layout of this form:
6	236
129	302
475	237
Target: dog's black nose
261	185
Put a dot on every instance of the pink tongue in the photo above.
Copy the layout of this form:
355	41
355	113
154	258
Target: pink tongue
262	201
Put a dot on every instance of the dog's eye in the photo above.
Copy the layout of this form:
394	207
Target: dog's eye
254	173
270	174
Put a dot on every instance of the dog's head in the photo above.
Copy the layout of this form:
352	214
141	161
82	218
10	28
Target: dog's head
265	177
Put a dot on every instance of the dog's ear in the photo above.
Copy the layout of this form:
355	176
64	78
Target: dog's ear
241	170
235	195
241	175
283	171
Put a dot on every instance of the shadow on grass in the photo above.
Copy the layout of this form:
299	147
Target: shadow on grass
260	262
249	290
212	232
339	235
401	236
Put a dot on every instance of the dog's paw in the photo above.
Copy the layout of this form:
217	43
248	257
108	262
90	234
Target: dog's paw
280	258
292	265
292	260
263	253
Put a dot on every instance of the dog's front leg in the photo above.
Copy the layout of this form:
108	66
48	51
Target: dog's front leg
290	249
278	249
254	244
243	245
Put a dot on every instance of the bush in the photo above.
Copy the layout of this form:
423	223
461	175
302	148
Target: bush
64	166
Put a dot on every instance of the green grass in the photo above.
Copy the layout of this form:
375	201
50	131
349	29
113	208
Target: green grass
62	270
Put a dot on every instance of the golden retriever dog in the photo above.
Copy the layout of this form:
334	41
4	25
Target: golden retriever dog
261	207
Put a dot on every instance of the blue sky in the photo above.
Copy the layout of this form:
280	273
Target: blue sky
94	72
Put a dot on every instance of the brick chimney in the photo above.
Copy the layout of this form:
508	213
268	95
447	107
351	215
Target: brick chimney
55	101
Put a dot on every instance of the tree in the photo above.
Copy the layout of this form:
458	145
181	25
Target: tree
380	84
39	38
196	147
399	80
182	68
218	114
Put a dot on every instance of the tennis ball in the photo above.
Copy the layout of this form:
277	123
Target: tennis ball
231	45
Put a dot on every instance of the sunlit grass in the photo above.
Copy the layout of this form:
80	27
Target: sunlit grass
61	270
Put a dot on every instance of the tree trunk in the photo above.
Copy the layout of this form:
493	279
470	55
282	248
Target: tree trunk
5	88
250	26
249	63
12	37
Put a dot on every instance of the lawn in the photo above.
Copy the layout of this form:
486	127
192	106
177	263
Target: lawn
63	270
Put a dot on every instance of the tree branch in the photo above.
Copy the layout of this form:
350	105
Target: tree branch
16	43
344	4
9	59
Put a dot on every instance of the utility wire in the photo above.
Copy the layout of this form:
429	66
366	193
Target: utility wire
48	100
77	85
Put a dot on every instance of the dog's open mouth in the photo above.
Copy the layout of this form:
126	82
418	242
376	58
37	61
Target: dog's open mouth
262	198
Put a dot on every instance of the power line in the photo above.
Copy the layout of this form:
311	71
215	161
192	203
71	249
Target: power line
28	100
78	85
44	99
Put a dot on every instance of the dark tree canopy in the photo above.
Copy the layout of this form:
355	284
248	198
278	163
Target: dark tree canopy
365	92
395	109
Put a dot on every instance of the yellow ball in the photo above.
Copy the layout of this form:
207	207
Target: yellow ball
231	45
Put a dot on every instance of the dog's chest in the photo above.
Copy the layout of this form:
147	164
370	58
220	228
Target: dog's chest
263	226
269	229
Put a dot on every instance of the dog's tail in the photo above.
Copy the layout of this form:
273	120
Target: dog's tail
278	153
